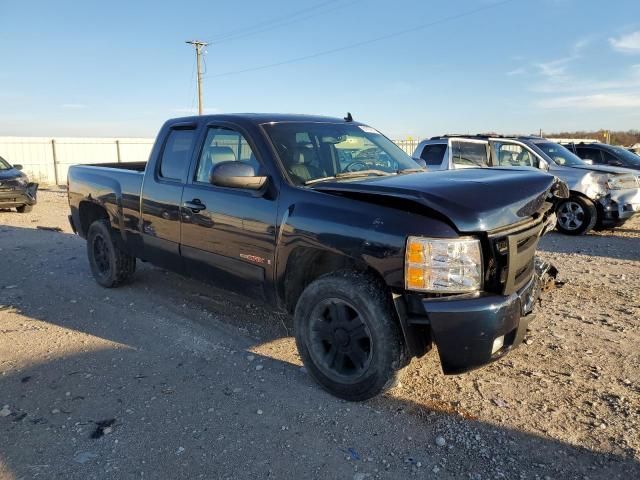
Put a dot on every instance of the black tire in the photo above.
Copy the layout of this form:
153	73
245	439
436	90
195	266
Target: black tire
576	215
110	266
356	354
24	208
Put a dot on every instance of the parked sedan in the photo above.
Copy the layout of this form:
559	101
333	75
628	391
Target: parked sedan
600	196
15	189
603	154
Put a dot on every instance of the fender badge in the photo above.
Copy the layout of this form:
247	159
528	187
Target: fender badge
253	258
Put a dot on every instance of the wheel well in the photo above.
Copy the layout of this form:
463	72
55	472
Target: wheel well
573	193
307	264
90	212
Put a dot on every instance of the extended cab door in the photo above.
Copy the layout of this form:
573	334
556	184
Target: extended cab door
228	234
162	194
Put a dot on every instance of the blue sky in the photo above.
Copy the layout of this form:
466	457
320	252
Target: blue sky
120	68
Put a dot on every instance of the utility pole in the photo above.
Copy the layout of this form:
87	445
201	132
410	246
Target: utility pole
198	46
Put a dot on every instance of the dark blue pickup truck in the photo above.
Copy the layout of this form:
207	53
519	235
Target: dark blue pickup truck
327	219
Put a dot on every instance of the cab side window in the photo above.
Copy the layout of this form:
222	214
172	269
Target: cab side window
224	145
176	154
434	154
469	154
515	156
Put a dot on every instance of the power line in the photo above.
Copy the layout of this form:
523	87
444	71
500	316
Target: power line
284	22
240	31
192	92
365	42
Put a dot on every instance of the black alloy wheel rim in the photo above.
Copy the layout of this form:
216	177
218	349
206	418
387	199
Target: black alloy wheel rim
339	339
101	255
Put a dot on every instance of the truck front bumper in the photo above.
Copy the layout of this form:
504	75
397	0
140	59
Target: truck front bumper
619	205
473	330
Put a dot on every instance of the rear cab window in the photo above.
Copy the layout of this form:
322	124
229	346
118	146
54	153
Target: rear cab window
176	154
466	154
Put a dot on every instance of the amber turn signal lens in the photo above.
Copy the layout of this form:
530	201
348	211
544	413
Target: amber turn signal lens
415	277
415	253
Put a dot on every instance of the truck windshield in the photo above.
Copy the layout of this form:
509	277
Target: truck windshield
560	155
312	151
4	165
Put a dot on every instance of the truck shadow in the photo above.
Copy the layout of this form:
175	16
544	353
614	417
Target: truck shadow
609	246
197	391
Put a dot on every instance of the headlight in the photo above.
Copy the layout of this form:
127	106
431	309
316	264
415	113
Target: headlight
443	265
21	181
622	182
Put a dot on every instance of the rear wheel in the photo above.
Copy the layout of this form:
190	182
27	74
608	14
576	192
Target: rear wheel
24	208
576	216
348	337
110	265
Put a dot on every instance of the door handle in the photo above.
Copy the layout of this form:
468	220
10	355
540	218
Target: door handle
195	205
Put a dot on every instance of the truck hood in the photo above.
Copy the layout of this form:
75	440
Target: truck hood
474	200
605	169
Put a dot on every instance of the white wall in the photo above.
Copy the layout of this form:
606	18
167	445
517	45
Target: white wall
36	154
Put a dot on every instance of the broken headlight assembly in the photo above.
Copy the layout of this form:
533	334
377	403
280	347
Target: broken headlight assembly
438	265
616	182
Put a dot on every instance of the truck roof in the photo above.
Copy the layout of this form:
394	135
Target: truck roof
260	118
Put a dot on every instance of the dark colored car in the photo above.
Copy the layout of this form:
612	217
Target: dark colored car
327	219
604	154
15	189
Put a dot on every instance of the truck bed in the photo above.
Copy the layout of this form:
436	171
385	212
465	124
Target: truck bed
114	186
136	166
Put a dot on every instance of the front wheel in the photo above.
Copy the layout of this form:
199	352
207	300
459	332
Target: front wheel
348	336
576	216
110	265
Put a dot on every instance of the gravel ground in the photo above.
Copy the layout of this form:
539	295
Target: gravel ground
169	378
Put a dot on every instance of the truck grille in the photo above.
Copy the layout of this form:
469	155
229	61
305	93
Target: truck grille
512	257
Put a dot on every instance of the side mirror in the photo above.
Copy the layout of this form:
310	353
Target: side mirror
616	163
236	175
420	162
17	166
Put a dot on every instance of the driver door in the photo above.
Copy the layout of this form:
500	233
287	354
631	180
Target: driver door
228	234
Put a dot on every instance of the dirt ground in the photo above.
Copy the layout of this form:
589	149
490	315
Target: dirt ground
169	378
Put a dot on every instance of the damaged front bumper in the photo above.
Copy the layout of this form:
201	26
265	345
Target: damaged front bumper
16	196
618	206
473	330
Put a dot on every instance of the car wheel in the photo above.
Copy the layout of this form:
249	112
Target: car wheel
110	265
24	208
348	335
576	216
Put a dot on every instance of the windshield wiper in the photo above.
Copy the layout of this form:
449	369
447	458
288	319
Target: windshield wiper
360	173
363	173
411	170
